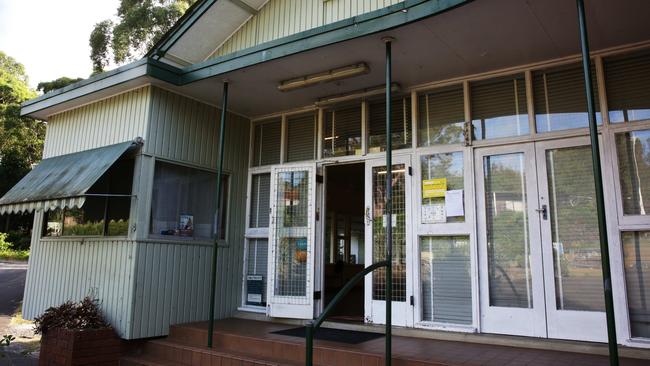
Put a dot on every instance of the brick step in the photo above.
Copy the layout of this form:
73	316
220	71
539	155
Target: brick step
144	360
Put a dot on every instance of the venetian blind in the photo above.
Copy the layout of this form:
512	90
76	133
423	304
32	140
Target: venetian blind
257	264
499	107
301	137
559	98
260	194
400	123
627	81
441	114
266	142
342	131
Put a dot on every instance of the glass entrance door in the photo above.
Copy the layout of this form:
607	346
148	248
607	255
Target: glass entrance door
376	223
291	233
538	241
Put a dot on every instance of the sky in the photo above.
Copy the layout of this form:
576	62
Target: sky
51	37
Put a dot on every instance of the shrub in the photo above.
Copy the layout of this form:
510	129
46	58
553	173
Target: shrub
71	315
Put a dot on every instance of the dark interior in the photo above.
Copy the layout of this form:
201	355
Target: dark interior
344	238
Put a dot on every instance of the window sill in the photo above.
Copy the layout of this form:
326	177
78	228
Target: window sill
253	309
182	240
83	239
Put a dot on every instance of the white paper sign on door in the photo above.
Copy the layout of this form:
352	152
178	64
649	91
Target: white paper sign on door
433	213
454	203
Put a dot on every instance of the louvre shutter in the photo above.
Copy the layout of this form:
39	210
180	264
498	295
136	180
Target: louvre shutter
499	107
441	114
446	280
627	81
260	204
400	123
342	131
266	142
559	98
301	137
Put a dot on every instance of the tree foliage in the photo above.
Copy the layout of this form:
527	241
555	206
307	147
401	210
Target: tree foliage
139	25
47	86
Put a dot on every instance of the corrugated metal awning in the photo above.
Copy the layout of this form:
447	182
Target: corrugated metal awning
62	181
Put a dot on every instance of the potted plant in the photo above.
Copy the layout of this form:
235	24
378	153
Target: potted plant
75	333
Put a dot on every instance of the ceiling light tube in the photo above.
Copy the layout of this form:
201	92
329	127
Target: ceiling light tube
363	93
323	77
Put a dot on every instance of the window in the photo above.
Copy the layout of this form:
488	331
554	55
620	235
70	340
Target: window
560	100
499	107
184	203
442	173
257	253
267	139
445	278
627	78
342	131
260	196
400	124
633	150
301	140
636	262
441	116
105	211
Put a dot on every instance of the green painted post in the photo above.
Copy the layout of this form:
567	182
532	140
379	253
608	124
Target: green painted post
213	278
309	336
598	179
389	206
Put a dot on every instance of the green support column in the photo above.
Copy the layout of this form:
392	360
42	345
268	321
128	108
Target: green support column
598	179
213	273
389	205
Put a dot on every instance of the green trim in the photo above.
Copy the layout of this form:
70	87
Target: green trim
376	21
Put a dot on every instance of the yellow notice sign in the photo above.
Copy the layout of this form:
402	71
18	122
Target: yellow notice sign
433	188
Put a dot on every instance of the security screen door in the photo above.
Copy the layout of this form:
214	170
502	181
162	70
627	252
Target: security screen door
539	256
291	234
376	222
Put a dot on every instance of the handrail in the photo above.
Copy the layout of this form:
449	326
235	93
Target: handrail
314	324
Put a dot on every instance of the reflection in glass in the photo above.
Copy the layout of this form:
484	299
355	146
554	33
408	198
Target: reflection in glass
574	230
444	165
441	116
379	222
256	266
499	108
400	124
633	150
445	279
292	231
508	242
636	262
342	131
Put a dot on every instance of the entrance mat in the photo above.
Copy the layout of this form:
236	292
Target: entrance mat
334	335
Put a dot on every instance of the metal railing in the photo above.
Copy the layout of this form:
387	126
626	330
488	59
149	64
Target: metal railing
311	327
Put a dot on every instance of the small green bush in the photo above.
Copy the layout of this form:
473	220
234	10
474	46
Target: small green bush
8	252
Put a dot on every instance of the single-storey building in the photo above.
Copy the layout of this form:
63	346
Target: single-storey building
494	216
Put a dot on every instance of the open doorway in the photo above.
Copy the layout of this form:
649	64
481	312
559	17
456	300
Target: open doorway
344	238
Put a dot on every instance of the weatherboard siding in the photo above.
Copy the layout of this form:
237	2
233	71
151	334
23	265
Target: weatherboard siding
281	18
109	121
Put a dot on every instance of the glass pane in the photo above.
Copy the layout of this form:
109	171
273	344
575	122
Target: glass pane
379	222
292	233
633	150
400	124
256	271
499	108
626	80
266	143
508	243
574	230
446	279
53	223
342	131
86	221
560	101
441	115
636	253
301	137
118	216
448	166
260	196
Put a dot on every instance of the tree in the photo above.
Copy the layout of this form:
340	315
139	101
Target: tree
47	86
139	25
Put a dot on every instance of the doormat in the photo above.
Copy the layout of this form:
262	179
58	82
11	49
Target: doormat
333	335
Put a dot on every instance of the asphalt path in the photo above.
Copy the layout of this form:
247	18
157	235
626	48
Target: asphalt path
12	285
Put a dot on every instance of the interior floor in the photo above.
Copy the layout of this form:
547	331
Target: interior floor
344	238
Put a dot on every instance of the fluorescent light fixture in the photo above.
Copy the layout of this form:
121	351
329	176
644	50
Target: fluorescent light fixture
363	93
384	172
323	77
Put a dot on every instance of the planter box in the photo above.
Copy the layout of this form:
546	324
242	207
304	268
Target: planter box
63	347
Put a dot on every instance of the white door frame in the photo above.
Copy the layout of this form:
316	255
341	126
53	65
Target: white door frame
297	307
375	310
564	324
511	320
